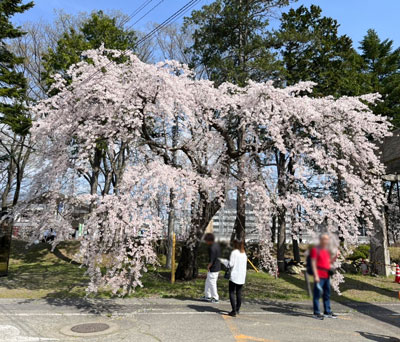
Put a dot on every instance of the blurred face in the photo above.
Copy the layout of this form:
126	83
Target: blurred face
209	243
324	241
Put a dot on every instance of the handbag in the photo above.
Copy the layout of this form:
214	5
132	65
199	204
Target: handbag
227	274
331	271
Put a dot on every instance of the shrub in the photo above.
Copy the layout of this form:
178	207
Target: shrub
361	252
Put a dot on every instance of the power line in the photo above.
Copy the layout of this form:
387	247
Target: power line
146	14
171	19
136	12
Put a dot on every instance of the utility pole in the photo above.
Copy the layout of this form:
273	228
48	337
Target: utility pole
172	214
173	259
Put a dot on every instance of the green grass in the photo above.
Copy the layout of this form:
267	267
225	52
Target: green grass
258	286
36	272
3	267
395	254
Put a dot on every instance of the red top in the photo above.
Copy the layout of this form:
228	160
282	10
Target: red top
323	258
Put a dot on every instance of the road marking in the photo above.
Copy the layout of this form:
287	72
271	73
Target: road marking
150	312
237	335
128	314
10	333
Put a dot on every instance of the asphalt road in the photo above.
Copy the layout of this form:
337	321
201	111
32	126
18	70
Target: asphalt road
172	320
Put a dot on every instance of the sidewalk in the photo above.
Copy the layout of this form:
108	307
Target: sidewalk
170	320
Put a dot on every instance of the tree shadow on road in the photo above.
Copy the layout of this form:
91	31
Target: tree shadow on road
288	309
205	308
377	312
86	305
378	338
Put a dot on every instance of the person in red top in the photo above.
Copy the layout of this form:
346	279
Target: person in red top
321	264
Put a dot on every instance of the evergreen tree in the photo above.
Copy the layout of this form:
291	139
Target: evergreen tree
231	40
97	30
14	118
381	65
313	50
13	84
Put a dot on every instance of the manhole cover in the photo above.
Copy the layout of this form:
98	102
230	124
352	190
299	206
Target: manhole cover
90	328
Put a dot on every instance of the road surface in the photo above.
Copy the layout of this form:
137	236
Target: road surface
172	320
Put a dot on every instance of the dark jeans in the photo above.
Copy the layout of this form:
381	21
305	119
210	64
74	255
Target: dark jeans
235	302
326	289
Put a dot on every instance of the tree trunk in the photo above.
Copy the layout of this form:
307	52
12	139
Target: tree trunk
94	180
107	173
281	240
240	221
296	250
387	213
188	268
8	186
202	215
18	182
379	253
239	228
273	229
282	189
296	234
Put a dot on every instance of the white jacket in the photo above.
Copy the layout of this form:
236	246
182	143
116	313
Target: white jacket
238	265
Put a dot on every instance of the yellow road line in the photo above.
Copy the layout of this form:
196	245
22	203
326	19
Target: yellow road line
238	336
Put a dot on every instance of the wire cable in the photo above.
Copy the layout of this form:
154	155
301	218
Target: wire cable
146	14
136	12
171	19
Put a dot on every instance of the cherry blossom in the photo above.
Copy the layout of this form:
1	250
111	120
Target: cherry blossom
106	139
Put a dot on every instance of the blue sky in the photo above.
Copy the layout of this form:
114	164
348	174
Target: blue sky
355	16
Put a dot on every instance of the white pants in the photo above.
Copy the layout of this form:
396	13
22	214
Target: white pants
210	290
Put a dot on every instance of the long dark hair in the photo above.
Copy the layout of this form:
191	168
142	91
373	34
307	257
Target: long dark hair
239	244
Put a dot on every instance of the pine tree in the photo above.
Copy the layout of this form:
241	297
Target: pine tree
231	40
14	118
312	50
13	84
381	65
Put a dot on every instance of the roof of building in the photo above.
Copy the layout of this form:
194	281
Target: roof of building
391	153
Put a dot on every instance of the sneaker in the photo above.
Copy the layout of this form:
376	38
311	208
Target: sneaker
318	316
213	300
232	314
206	299
330	315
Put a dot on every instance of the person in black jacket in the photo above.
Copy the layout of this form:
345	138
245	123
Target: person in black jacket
214	266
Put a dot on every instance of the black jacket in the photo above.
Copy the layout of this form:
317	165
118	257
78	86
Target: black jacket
215	253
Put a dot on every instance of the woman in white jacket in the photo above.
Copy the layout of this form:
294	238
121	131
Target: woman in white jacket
238	266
